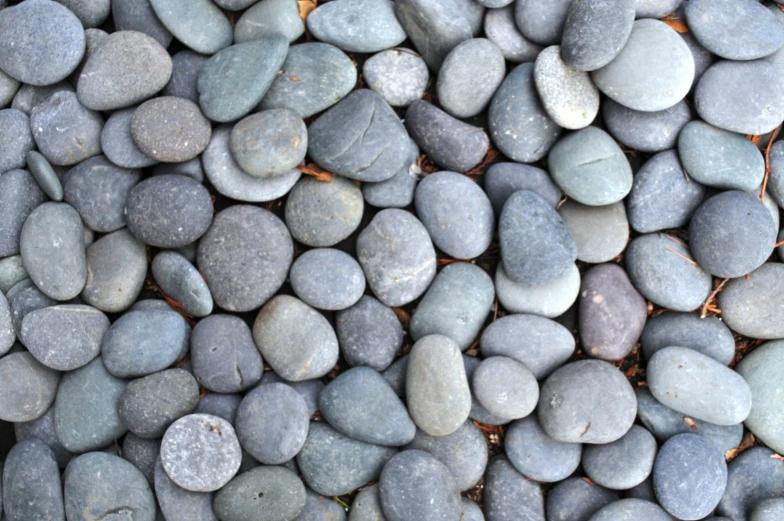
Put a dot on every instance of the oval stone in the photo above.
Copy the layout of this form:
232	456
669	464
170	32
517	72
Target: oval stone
631	508
170	129
500	28
80	136
505	387
709	335
645	131
19	196
263	494
595	31
28	387
199	24
469	77
31	481
754	476
567	94
541	21
397	75
504	179
434	29
538	456
116	270
265	18
269	143
181	281
45	175
751	306
577	498
369	333
624	463
137	15
761	369
599	232
550	299
364	26
507	493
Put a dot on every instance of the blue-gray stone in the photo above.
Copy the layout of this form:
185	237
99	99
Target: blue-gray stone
44	175
505	387
42	429
400	76
768	510
11	271
23	298
224	357
754	476
310	390
181	281
8	89
221	405
30	96
397	191
16	137
542	21
269	143
656	8
550	299
28	387
319	508
327	279
703	58
199	24
269	17
478	412
751	306
600	232
395	374
595	31
191	168
143	453
760	369
469	76
624	463
709	335
137	15
568	95
575	499
366	506
538	456
631	508
178	504
117	143
117	268
645	131
170	129
365	26
435	28
474	12
504	179
186	66
508	495
776	176
81	134
19	196
370	334
266	493
500	28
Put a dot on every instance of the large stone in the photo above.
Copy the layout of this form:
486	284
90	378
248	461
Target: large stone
199	24
434	28
509	495
31	483
624	463
264	494
469	77
266	18
28	387
709	335
80	136
269	143
595	32
500	28
761	369
364	26
170	129
550	299
505	387
645	131
751	306
754	476
116	270
538	456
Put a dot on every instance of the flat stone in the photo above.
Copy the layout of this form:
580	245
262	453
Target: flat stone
753	477
269	143
138	15
504	179
42	429
19	196
369	333
28	387
399	76
327	279
709	335
398	190
729	398
116	270
752	304
59	42
505	387
624	463
200	24
142	453
588	401
500	28
538	456
17	139
365	26
245	256
224	357
117	143
177	503
595	31
170	129
517	122
568	95
44	175
507	493
632	508
272	423
760	369
434	29
645	131
30	96
266	493
81	137
541	21
550	299
267	18
11	271
469	76
180	280
576	499
599	232
23	298
233	81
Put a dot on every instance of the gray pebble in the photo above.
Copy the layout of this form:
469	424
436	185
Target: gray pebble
221	405
575	499
7	333
395	374
709	335
312	206
319	508
269	17
768	510
117	143
142	453
116	268
542	21
28	388
327	279
42	429
181	281
269	143
645	131
16	137
137	15
538	456
8	88
265	493
369	333
503	179
366	506
469	76
505	387
191	168
508	494
44	175
760	369
30	96
186	66
656	8
776	176
365	26
82	135
200	24
11	271
178	504
170	129
434	28
19	196
400	76
631	509
224	357
310	390
23	298
398	190
478	412
568	95
624	463
595	31
754	476
600	232
500	28
751	306
703	58
550	299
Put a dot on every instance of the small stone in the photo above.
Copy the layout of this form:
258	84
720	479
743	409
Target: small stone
45	176
42	429
550	299
138	15
567	94
538	456
504	179
369	333
327	279
364	26
500	29
469	76
595	32
505	387
776	176
709	335
16	137
576	499
8	89
600	232
366	506
81	137
310	390
28	387
751	306
25	298
30	96
319	508
170	129
116	270
19	196
754	476
221	405
507	493
117	143
265	493
142	453
191	168
434	29
542	21
186	66
181	281
760	369
198	24
179	504
397	75
269	143
478	412
7	333
624	463
398	190
266	18
632	508
11	271
646	131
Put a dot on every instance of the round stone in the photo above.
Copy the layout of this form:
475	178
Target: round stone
538	456
116	270
578	498
645	131
567	94
199	24
45	175
505	387
117	143
369	333
550	299
81	134
170	129
599	232
398	190
751	306
397	75
327	279
17	139
709	335
504	179
469	77
269	143
28	387
364	26
760	369
263	494
624	463
500	29
265	18
19	196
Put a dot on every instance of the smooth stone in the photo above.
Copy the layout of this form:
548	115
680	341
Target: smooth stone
42	429
397	256
8	89
500	28
191	168
19	196
327	279
269	143
116	270
703	58
590	167
469	76
663	196
728	402
178	504
750	306
517	122
504	179
656	8
295	339
59	42
768	510
360	137
709	335
81	137
437	391
44	175
366	506
743	97
624	463
117	143
631	509
776	175
333	465
233	81
478	412
474	12
338	23
434	28
550	299
267	18
28	387
11	272
265	493
138	15
369	333
587	401
536	246
754	476
30	96
142	453
505	387
508	494
471	511
731	234
64	337
221	405
103	486
128	67
53	252
662	270
224	357
85	411
760	369
665	76
312	206
319	508
315	77
397	191
595	32
310	390
143	342
575	499
542	21
689	476
646	131
24	298
181	281
98	189
186	66
16	137
600	232
198	24
170	129
7	332
93	37
567	94
245	257
538	456
272	423
399	76
395	375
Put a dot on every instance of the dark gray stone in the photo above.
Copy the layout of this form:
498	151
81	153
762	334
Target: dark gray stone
754	476
631	508
645	131
760	369
170	129
575	499
504	179
400	76
28	388
233	81
11	271
30	96
224	357
434	28
116	270
333	464
269	143
310	390
178	504
245	257
221	405
59	42
542	21
117	143
395	375
365	26
398	190
536	246
538	456
369	333
198	24
505	387
266	493
85	411
600	232
181	281
266	18
624	463
709	335
469	76
81	134
137	15
186	66
500	29
19	196
568	95
44	175
191	168
17	139
509	496
751	306
23	298
595	31
272	423
321	214
142	453
550	299
42	429
366	506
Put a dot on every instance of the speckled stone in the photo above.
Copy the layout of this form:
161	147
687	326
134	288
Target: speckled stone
42	429
142	453
265	493
504	179
645	131
567	94
753	477
469	76
500	29
366	506
265	18
181	281
600	232
341	24
505	387
768	510
191	168
198	24
319	508
550	299
137	15
478	412
28	387
434	28
11	271
81	137
369	333
624	463
327	279
538	456
574	499
178	504
508	493
44	175
16	137
224	357
631	508
709	335
23	298
595	32
542	22
414	483
400	76
19	196
269	143
170	129
116	269
760	369
117	143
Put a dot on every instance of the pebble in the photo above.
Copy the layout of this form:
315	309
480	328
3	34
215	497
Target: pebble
24	298
186	66
319	508
28	387
504	179
117	143
751	305
719	158
81	137
631	508
101	486
327	279
221	405
507	493
91	13
663	195
191	168
434	29
709	335
116	270
170	129
478	412
567	94
550	299
179	504
31	479
500	28
369	334
397	191
59	42
42	428
85	411
8	89
760	370
138	15
224	357
538	456
233	81
198	24
7	333
44	175
624	463
752	477
30	96
646	131
469	76
17	139
689	476
505	387
366	506
599	232
451	143
144	342
11	271
333	465
728	402
436	375
768	510
575	499
590	167
19	196
542	21
269	143
703	58
295	339
142	453
595	32
266	18
776	176
245	257
364	26
272	423
180	280
98	189
587	401
127	68
653	71
517	122
731	234
265	493
53	251
399	76
64	337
